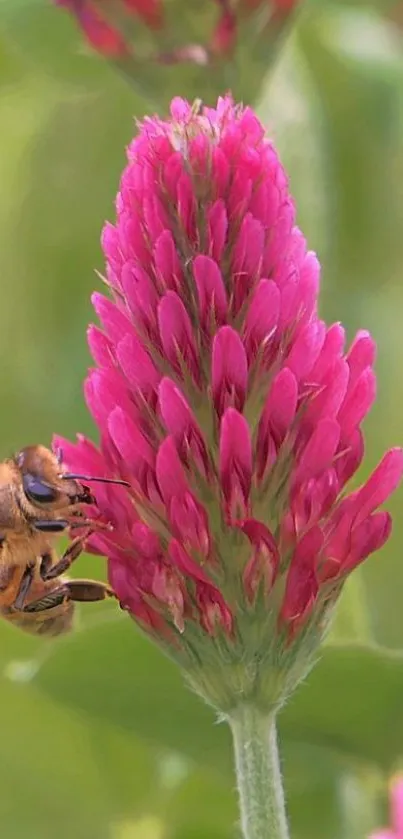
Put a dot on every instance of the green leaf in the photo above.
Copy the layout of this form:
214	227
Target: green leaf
51	777
350	704
116	674
117	783
312	781
187	813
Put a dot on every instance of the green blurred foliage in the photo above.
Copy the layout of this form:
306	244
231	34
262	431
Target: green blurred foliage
99	736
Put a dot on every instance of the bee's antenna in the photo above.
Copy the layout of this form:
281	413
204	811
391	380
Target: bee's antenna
70	476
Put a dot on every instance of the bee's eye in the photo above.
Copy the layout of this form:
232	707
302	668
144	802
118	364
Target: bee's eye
37	490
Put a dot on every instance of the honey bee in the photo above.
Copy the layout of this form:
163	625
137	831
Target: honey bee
39	499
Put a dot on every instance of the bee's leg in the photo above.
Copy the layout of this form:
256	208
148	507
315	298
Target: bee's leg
24	587
52	598
85	591
46	564
49	571
80	591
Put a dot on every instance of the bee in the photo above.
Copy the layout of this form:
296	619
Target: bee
39	499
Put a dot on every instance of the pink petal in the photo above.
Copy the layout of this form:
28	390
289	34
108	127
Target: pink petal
104	389
330	352
217	221
170	473
235	463
380	485
262	317
114	321
320	450
264	562
358	401
302	585
111	246
182	560
134	448
247	255
313	499
281	404
167	264
211	292
305	350
215	614
190	523
141	298
396	804
100	34
361	354
145	542
177	334
182	426
326	399
101	347
229	373
276	420
175	411
187	206
366	538
137	365
349	457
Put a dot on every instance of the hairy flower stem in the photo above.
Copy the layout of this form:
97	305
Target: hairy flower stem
258	774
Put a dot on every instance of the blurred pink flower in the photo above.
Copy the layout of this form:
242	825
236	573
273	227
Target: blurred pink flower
396	812
96	20
92	17
231	408
99	33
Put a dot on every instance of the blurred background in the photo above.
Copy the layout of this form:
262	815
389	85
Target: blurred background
98	737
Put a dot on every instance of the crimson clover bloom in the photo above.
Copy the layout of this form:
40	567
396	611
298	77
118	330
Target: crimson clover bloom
232	409
396	812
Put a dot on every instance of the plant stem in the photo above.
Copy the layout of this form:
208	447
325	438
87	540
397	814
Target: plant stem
258	774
